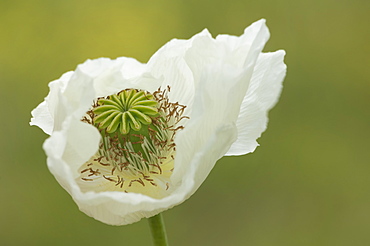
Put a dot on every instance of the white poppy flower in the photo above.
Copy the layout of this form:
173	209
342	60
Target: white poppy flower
130	140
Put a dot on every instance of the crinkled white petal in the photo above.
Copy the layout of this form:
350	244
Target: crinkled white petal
212	77
245	49
125	73
169	63
42	118
43	115
263	93
216	103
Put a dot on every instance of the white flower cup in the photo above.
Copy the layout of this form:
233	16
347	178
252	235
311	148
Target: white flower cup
227	85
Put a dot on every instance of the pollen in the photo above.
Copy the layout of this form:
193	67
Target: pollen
137	148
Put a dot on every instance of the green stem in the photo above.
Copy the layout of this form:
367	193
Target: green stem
158	230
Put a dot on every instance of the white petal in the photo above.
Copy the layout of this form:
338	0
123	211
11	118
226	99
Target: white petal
42	118
125	73
169	63
93	68
216	103
74	144
43	115
82	142
245	49
204	159
262	95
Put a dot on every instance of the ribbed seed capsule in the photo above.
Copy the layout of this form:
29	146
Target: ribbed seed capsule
129	109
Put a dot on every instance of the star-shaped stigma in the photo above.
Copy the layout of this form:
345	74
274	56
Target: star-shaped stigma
129	109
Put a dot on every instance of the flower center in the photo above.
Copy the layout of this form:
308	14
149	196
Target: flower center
137	148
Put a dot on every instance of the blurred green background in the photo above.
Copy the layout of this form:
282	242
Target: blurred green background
307	184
